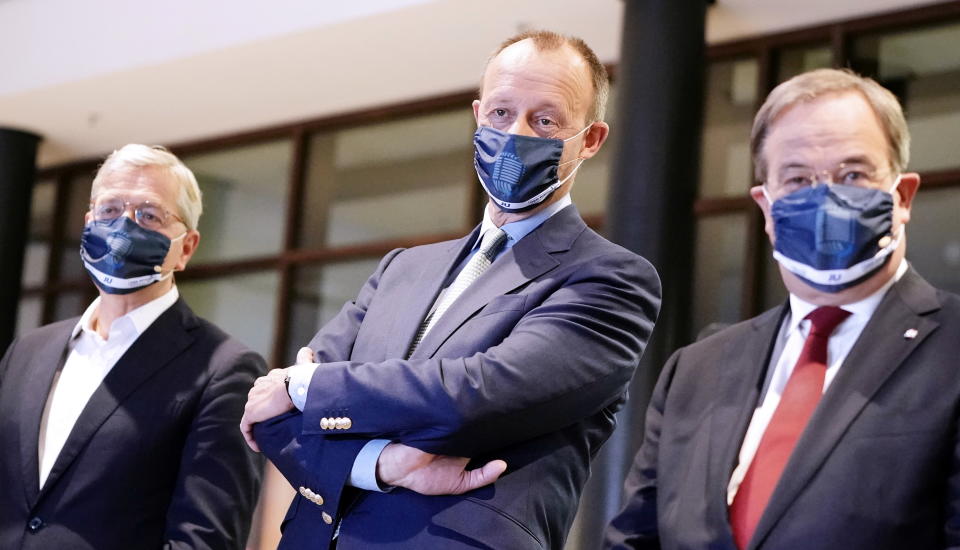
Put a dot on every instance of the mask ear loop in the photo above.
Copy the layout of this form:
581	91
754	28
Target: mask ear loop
159	268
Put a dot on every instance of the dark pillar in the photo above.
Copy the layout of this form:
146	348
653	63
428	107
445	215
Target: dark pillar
18	153
656	146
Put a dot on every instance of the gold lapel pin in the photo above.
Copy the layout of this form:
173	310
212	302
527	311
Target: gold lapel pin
910	334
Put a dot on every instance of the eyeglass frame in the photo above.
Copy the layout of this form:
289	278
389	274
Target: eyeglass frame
137	212
872	177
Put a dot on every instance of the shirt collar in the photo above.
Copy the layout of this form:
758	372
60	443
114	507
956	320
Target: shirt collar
862	309
521	228
140	318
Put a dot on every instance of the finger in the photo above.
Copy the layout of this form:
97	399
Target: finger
474	479
305	355
247	429
277	374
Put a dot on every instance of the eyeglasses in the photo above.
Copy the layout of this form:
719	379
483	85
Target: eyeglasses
797	178
147	214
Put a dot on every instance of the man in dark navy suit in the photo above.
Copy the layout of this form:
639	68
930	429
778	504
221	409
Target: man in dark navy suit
512	346
118	429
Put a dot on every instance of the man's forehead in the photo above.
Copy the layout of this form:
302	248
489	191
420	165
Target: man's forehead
564	61
139	181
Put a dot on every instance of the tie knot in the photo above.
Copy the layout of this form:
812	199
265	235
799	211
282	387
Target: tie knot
492	240
826	318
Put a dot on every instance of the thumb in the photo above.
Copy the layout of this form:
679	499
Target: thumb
305	355
490	472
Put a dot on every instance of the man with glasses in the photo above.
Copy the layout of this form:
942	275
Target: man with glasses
831	421
119	429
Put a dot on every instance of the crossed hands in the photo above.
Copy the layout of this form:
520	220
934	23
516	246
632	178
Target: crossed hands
398	465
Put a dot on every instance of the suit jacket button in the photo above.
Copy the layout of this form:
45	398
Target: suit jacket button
338	423
347	423
35	524
324	423
326	518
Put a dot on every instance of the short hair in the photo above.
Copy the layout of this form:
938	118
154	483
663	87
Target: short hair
545	40
814	84
189	197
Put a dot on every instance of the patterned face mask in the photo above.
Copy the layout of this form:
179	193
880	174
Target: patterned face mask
519	172
122	257
834	236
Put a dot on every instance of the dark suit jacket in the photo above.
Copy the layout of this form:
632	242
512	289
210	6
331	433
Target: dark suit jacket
155	459
528	365
879	463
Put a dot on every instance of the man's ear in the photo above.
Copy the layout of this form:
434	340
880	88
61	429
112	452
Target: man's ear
594	138
759	197
188	246
476	111
906	191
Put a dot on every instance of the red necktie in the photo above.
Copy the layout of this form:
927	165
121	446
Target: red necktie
799	400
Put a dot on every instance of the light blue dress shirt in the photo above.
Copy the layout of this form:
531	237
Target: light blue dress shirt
363	475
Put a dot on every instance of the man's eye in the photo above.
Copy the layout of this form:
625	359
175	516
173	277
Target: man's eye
545	122
105	211
797	181
500	112
854	177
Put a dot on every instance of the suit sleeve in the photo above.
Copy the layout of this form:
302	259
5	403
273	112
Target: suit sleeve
219	478
952	524
566	359
321	462
635	527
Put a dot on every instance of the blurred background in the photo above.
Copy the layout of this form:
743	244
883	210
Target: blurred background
324	134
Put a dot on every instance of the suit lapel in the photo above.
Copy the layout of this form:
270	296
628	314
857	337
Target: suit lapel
879	351
736	402
154	349
525	261
43	366
413	307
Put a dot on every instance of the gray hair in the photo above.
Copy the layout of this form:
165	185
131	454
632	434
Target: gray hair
189	198
811	85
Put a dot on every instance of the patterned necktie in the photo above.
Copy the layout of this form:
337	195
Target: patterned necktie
799	400
490	245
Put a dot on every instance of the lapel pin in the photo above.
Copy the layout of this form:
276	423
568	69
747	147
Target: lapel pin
910	334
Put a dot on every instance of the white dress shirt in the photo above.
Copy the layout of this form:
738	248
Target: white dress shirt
90	359
786	352
363	475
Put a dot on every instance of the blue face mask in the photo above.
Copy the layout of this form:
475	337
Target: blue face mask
519	172
834	236
122	257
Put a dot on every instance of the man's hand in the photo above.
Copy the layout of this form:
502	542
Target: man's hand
267	398
430	474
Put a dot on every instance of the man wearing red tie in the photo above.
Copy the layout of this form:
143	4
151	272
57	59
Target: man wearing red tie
832	421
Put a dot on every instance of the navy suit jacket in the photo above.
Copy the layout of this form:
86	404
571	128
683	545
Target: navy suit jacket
878	466
528	365
155	460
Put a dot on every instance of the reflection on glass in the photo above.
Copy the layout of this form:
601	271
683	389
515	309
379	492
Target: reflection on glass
725	168
933	237
794	61
389	180
37	252
244	200
29	314
718	275
923	69
319	292
244	306
78	202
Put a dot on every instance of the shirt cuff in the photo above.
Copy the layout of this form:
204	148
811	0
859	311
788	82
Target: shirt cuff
300	376
363	475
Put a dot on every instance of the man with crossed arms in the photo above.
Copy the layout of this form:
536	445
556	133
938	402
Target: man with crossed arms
512	346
